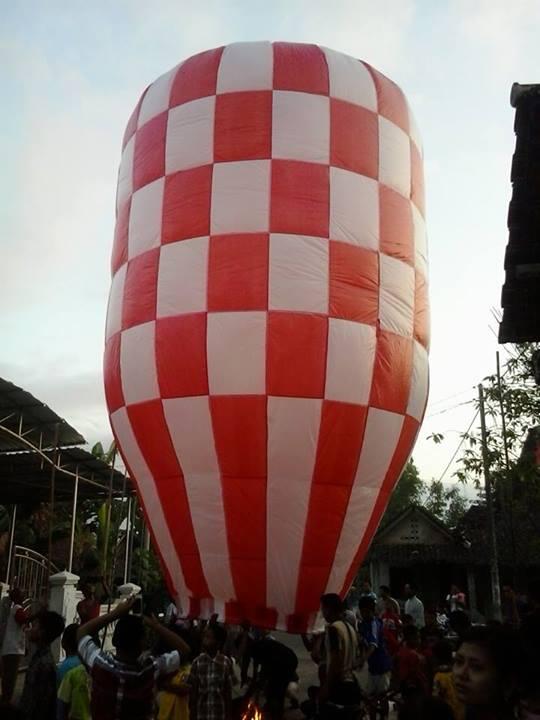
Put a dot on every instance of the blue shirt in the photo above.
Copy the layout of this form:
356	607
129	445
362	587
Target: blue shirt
379	661
65	666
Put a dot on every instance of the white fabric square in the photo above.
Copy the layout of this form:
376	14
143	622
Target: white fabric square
420	241
394	157
349	365
157	97
236	348
354	209
396	295
145	218
298	275
293	426
190	135
246	66
183	277
148	491
301	127
240	197
116	301
125	174
419	382
190	425
138	363
350	80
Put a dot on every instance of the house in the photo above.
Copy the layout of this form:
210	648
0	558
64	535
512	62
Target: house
416	547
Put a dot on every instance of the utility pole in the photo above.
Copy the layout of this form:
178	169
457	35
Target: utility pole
509	484
493	560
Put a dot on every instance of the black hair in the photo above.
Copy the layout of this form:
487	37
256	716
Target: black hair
129	633
219	633
502	646
366	603
411	632
459	621
442	652
162	646
385	589
69	638
332	602
51	624
412	586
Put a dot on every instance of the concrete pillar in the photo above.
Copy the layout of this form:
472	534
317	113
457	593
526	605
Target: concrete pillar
63	599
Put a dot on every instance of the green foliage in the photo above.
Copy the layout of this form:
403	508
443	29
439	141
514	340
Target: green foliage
448	504
515	476
408	491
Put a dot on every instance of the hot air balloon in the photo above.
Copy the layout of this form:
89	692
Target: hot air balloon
266	360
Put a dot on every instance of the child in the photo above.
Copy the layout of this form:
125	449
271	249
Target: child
13	644
211	678
391	627
38	701
173	698
123	686
410	665
443	681
74	695
69	645
378	660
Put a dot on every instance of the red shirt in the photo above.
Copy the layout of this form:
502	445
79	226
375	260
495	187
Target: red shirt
391	630
411	668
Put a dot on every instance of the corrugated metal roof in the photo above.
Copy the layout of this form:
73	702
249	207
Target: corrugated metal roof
25	477
21	414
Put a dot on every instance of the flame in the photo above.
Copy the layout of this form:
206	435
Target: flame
252	712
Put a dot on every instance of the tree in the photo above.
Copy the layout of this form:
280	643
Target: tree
515	474
408	491
447	504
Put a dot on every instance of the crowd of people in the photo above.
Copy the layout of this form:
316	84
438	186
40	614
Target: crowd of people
372	651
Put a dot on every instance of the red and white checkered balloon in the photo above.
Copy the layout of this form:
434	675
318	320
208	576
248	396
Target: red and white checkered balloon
266	364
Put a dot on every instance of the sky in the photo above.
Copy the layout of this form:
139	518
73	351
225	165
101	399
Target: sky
71	74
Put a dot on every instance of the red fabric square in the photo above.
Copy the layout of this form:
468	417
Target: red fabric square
392	372
421	310
354	283
150	429
131	127
396	225
238	272
338	452
186	204
196	77
300	198
140	289
181	355
354	138
239	424
391	100
300	67
149	158
242	129
296	354
417	179
112	375
120	244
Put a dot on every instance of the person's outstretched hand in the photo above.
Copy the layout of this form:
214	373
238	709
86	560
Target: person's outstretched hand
124	606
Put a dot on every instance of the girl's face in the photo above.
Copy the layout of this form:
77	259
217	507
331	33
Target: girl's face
475	676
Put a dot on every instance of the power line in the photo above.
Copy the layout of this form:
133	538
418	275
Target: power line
452	407
463	438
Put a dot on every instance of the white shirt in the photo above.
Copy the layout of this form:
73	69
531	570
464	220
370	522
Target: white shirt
14	639
415	608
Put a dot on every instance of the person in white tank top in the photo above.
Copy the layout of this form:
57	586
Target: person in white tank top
13	645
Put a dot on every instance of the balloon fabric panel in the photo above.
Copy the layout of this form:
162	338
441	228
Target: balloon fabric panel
267	336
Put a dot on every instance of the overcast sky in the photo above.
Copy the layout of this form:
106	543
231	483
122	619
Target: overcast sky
72	72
